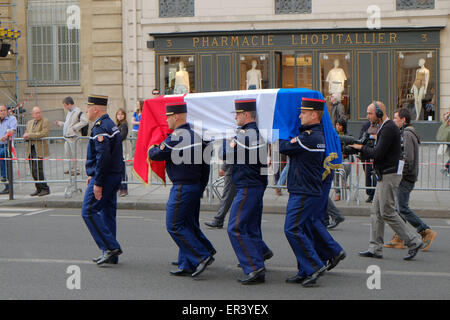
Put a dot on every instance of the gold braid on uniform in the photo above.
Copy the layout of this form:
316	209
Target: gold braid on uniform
328	166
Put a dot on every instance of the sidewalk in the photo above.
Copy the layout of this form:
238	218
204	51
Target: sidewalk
427	204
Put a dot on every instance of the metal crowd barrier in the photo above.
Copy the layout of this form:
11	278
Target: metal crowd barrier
432	175
65	165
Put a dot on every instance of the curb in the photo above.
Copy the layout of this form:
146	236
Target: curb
76	204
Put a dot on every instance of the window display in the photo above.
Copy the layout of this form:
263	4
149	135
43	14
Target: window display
296	70
253	72
335	78
177	74
415	86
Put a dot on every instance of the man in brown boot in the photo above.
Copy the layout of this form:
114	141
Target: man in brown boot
410	146
395	243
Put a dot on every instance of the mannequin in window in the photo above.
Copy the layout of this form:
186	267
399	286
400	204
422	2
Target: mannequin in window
336	79
254	78
181	80
419	87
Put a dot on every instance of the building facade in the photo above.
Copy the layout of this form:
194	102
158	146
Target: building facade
390	50
66	48
397	51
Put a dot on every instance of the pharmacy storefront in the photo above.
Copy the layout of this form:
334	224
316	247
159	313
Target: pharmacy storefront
397	66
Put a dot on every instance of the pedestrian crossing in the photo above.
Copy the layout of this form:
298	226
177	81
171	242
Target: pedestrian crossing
14	212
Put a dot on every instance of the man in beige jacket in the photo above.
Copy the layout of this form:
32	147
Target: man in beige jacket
72	130
37	149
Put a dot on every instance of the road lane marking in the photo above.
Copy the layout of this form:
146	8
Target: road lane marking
62	261
9	215
18	209
79	215
37	212
357	271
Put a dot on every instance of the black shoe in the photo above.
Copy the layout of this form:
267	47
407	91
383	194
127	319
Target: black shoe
335	260
114	260
311	280
268	255
181	273
258	276
3	179
4	191
44	192
108	256
295	279
335	223
369	199
202	266
174	263
412	252
369	254
36	193
214	224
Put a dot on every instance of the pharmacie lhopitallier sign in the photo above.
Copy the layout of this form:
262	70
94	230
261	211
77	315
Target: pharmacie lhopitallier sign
297	39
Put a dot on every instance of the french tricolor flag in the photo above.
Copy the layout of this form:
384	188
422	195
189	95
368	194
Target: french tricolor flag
211	115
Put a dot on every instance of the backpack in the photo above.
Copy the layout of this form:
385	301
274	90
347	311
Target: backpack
84	131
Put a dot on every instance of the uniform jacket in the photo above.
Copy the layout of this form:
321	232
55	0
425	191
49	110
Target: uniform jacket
411	143
306	156
104	155
183	152
74	126
35	133
248	156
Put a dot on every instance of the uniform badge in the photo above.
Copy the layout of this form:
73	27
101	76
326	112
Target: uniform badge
99	122
242	131
161	146
100	138
293	140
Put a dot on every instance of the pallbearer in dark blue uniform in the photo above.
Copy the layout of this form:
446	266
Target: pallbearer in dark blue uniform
306	155
329	251
248	154
183	153
104	166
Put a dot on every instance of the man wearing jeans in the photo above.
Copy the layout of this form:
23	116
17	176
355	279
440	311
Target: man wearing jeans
386	154
402	119
8	127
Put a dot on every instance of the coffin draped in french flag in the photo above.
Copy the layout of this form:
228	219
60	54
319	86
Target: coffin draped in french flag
211	115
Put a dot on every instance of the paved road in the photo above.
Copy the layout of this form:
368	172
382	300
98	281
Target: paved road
37	246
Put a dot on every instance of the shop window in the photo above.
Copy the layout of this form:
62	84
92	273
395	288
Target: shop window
416	83
253	71
335	71
176	8
296	70
292	6
415	4
177	74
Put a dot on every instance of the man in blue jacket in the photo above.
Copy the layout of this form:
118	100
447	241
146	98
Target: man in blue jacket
183	152
306	155
248	154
